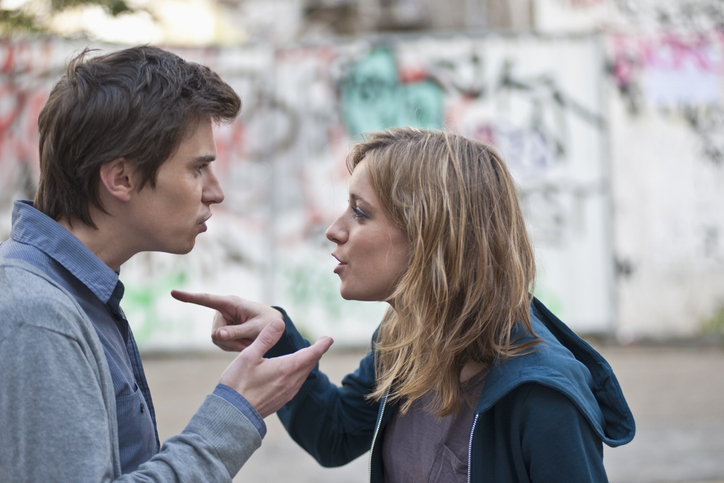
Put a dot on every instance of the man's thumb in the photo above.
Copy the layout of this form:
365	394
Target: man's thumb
269	336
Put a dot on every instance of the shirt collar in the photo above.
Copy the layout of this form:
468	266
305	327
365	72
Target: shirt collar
34	228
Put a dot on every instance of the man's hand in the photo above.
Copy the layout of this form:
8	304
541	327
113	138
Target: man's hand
268	384
253	329
237	321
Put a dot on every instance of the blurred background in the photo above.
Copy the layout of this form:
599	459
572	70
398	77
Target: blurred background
608	112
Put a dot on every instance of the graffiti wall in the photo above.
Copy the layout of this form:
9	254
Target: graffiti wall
667	131
544	112
540	100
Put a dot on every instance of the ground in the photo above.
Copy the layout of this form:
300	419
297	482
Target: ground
675	393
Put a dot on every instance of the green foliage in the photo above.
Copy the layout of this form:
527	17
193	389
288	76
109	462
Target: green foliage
113	7
17	21
20	21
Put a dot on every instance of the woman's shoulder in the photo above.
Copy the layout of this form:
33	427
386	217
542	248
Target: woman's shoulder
564	363
559	357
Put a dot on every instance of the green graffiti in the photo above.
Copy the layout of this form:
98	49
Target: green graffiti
141	301
714	325
313	291
373	97
551	300
307	285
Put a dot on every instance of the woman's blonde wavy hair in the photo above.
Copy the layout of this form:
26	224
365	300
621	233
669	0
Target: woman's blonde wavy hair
471	268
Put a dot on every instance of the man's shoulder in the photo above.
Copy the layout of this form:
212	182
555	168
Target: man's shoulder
30	297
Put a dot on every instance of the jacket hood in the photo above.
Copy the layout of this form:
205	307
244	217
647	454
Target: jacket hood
565	362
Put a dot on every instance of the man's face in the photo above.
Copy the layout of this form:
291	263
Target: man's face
169	216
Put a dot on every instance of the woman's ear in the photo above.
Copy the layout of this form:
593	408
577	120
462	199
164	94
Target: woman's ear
117	177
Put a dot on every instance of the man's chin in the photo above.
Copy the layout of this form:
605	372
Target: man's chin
187	249
183	249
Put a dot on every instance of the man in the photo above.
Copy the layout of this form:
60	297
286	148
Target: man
126	147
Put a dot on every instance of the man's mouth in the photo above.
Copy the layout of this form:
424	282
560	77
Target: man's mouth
202	224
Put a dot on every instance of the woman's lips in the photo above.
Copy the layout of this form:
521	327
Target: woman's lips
340	265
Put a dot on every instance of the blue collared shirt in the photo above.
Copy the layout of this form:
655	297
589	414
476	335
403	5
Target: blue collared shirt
42	242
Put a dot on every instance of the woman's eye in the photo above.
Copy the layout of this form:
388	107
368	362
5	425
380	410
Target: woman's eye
359	214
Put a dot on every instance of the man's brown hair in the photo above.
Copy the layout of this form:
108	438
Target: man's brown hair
138	104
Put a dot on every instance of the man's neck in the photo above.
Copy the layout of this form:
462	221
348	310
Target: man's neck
103	241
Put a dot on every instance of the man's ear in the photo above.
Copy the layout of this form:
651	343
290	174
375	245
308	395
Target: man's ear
118	178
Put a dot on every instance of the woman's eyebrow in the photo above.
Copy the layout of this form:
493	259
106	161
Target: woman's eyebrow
359	199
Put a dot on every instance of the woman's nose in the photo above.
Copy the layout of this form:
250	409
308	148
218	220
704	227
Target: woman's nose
335	233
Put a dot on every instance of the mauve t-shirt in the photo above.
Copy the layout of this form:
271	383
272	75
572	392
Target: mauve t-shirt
418	446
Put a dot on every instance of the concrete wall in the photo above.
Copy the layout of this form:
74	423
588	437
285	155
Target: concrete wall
665	75
624	205
667	150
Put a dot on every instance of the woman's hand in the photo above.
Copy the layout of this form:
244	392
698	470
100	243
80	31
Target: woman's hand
237	322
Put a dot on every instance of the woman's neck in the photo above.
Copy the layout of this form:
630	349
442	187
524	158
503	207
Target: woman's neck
470	369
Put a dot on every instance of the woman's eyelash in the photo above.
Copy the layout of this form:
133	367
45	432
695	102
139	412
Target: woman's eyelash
359	213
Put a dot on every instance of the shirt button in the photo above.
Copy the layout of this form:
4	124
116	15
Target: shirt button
142	408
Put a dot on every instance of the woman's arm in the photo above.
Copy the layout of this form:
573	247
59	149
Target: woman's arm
335	424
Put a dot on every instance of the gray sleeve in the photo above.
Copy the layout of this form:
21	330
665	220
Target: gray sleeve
57	408
212	447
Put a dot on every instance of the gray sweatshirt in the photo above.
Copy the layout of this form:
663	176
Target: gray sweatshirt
57	405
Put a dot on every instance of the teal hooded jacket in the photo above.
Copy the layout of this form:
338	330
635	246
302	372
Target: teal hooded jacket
542	417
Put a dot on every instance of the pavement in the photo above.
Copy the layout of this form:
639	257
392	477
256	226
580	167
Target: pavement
676	394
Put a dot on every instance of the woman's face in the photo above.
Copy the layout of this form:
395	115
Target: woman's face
372	251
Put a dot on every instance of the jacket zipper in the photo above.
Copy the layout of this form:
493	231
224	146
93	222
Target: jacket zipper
374	437
470	447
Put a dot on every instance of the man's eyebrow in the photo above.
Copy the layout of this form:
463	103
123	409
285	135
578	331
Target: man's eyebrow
205	159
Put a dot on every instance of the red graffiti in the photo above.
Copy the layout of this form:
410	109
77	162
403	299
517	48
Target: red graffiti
666	52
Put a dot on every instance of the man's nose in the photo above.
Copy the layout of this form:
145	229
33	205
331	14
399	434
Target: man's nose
213	192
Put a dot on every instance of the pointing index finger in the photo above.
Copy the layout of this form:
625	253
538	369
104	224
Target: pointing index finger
216	302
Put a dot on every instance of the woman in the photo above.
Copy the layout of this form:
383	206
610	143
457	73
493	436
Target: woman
469	378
